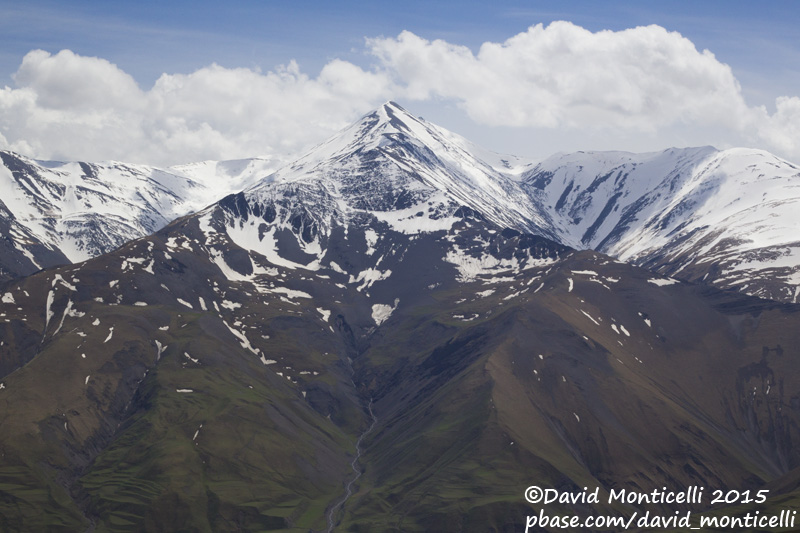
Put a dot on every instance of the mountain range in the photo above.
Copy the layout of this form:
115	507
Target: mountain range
719	217
55	212
396	331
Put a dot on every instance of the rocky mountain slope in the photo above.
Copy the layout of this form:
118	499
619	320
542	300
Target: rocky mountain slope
726	218
185	380
55	212
723	217
368	307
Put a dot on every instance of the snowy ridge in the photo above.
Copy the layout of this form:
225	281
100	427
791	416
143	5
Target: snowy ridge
58	212
722	217
589	192
725	217
391	160
699	214
388	173
220	178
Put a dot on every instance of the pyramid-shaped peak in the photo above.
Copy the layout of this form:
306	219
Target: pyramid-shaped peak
392	116
393	132
385	125
392	105
393	109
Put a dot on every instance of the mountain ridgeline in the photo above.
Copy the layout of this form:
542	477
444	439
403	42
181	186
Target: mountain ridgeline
452	324
55	213
724	218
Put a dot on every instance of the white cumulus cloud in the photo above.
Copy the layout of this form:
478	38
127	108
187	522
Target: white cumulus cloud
623	85
73	107
564	76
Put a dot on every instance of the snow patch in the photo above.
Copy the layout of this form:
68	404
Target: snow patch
336	268
160	349
127	264
230	274
59	279
470	267
369	277
68	311
662	282
290	293
250	236
405	221
382	312
245	343
590	317
230	305
48	311
372	239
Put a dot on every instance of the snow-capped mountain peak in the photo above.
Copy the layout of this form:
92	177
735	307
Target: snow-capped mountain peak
390	160
680	211
384	127
724	217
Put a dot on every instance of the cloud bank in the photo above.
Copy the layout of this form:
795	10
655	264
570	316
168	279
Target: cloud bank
74	107
561	77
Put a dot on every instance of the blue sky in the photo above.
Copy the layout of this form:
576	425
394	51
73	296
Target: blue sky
146	39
